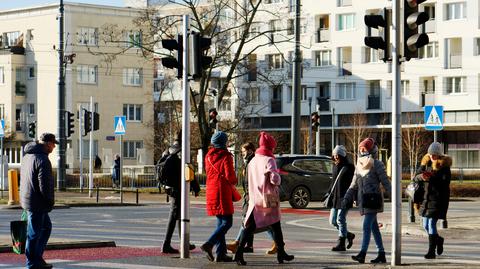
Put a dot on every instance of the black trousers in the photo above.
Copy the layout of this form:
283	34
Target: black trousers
250	228
173	219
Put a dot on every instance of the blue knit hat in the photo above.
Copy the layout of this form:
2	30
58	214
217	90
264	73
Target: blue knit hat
219	140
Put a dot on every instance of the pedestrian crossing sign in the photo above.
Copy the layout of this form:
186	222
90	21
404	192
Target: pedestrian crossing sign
2	128
120	125
433	118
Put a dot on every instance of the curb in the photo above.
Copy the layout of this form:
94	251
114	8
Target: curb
67	245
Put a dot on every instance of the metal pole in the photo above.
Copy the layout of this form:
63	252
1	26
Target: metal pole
2	176
435	138
218	109
185	208
90	160
396	139
80	145
333	127
61	173
121	169
309	151
317	149
295	129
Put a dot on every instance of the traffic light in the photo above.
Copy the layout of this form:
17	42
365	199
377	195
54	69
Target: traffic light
315	120
32	128
170	61
212	114
199	61
87	122
70	123
379	42
412	40
96	121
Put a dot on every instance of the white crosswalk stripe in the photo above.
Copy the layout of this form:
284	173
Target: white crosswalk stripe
123	266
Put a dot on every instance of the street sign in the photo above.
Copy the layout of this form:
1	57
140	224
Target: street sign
120	125
433	118
2	128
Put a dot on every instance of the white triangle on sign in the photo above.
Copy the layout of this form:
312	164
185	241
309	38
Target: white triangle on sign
120	128
433	118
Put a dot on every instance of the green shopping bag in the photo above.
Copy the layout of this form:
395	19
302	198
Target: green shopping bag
18	231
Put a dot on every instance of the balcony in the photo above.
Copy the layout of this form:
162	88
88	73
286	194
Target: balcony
20	88
343	3
276	106
252	75
430	26
427	98
455	61
324	104
322	35
20	126
373	102
345	69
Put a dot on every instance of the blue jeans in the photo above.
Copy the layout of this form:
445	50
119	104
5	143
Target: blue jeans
430	225
39	228
370	225
224	223
338	218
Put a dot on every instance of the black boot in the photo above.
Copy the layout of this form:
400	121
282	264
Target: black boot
239	257
380	258
350	237
207	248
439	241
340	244
283	256
360	257
431	246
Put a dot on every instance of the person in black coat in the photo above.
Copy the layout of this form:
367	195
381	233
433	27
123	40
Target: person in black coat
343	170
435	173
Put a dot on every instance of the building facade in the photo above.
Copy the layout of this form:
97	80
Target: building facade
115	74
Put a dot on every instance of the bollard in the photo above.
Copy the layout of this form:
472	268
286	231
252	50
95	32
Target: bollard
98	194
411	210
137	197
13	187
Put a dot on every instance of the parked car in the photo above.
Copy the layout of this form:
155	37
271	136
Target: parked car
305	178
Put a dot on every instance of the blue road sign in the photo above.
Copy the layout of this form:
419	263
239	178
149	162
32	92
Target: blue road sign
2	128
120	125
433	118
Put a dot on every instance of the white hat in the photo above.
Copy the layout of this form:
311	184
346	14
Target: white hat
340	150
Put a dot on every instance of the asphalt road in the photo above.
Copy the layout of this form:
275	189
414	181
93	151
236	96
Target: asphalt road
307	233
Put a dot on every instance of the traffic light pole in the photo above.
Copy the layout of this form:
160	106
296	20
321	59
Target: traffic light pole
80	145
295	127
396	138
61	174
317	140
90	151
185	204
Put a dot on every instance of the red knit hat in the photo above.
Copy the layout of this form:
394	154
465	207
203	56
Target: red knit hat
267	141
368	144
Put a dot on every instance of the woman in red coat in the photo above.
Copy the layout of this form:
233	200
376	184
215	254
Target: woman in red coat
221	179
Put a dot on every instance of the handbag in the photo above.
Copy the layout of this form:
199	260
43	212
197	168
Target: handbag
372	200
235	194
271	199
328	198
415	191
18	232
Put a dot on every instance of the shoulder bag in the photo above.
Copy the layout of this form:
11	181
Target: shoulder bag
328	202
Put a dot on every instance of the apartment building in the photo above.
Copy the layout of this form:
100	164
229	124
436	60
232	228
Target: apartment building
115	74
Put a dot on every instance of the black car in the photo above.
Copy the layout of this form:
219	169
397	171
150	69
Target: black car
305	178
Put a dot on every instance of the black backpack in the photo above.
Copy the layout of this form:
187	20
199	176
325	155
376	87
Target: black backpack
167	170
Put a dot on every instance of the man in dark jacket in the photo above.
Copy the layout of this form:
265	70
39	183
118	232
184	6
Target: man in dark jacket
174	169
37	197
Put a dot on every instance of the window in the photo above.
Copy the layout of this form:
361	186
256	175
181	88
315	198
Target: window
405	87
290	27
456	11
476	49
346	22
87	74
31	72
132	76
303	94
371	55
253	95
465	157
323	58
455	84
272	1
2	111
275	61
274	27
430	10
346	91
2	75
12	38
86	148
428	51
87	36
389	88
343	3
130	149
132	112
31	109
313	165
133	39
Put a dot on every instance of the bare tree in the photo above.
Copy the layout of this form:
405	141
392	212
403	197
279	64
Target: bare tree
415	142
357	131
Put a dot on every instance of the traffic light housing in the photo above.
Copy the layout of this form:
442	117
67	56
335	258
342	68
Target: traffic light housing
379	42
412	40
212	114
70	123
87	122
170	61
315	120
96	121
199	61
32	129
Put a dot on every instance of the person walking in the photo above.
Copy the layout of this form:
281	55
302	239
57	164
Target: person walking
435	173
116	171
37	197
264	201
368	176
342	174
221	180
173	168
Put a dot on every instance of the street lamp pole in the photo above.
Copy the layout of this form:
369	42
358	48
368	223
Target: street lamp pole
317	140
309	150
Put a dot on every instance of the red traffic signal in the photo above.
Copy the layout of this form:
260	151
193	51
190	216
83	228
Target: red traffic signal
212	114
315	120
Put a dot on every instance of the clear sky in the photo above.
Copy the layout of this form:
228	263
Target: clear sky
9	4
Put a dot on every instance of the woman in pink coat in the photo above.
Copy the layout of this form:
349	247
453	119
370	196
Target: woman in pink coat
264	206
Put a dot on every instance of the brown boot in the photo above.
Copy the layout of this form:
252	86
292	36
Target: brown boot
273	250
233	246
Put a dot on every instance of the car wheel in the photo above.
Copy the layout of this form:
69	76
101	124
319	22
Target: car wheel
300	197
